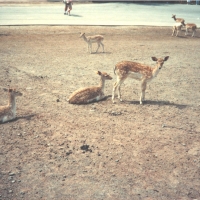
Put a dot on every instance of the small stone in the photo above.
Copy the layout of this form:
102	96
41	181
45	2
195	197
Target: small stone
10	191
22	193
29	88
11	174
13	181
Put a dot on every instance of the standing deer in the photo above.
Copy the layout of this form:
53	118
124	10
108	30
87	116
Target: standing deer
138	71
176	28
90	94
191	26
8	112
93	39
180	20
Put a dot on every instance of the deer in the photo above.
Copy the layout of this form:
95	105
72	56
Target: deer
138	71
93	39
176	28
8	112
90	94
180	20
190	26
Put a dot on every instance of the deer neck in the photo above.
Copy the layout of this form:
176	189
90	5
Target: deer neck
85	38
12	102
102	83
155	71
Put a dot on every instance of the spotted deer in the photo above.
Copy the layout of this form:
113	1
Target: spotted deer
90	94
138	71
8	112
93	39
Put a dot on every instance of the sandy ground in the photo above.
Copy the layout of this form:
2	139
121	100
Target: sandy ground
56	150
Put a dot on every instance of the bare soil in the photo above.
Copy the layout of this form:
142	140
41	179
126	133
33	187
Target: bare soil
58	151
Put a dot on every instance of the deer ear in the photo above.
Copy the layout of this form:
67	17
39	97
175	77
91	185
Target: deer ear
154	58
98	72
166	58
5	89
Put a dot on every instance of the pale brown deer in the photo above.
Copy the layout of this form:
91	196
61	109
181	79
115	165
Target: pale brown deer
8	112
191	26
138	71
179	20
93	39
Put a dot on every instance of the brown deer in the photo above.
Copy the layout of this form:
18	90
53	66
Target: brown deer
138	71
180	20
93	39
8	112
191	26
90	94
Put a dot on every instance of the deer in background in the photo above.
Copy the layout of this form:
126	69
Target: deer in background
176	28
138	71
93	39
90	94
8	112
191	26
179	20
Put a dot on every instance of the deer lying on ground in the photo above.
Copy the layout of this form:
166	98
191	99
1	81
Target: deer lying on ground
190	26
179	20
90	94
138	71
176	28
8	112
93	39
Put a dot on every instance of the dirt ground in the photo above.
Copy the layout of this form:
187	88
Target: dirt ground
58	151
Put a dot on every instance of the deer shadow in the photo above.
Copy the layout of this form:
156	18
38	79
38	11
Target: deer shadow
4	34
27	117
101	52
160	103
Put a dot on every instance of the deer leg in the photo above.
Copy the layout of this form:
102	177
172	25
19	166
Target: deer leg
90	47
193	32
98	47
143	88
119	89
177	32
113	92
186	31
102	46
116	86
173	30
